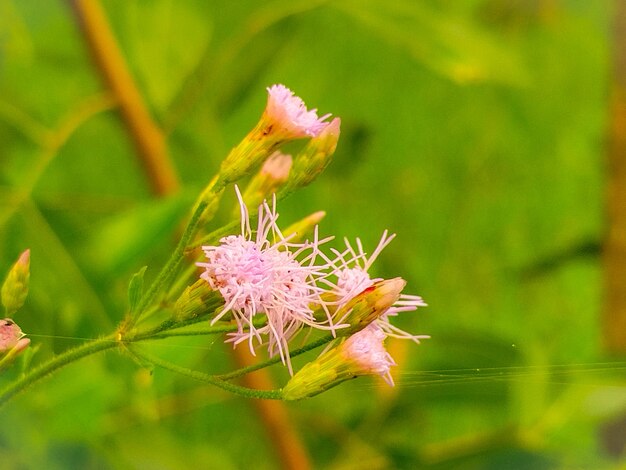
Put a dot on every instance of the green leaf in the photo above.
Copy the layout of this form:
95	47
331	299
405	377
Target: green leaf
448	44
165	42
127	238
135	289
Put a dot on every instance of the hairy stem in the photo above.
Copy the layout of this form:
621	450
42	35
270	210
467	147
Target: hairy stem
211	379
276	359
56	363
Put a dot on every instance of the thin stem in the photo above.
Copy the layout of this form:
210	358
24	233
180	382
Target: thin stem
276	359
211	379
163	330
174	260
56	363
97	345
148	138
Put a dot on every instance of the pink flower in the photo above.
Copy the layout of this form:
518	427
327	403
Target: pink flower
10	334
289	114
11	337
277	166
367	351
262	272
351	270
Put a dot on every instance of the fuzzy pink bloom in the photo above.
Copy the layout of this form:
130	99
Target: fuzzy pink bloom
262	272
351	269
367	350
10	334
289	113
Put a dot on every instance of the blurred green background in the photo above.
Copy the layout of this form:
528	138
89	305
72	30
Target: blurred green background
473	129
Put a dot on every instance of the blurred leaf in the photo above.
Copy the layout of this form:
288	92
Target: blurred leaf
166	39
449	45
124	240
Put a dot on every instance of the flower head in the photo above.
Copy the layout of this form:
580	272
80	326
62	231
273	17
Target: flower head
262	272
290	115
351	270
12	342
366	350
10	334
363	353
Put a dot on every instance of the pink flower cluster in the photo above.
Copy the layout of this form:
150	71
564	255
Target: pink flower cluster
262	272
295	285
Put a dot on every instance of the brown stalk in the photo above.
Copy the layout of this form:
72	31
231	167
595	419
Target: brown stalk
146	136
150	143
614	318
281	432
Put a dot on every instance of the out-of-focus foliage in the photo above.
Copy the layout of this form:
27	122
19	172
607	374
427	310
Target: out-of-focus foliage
473	129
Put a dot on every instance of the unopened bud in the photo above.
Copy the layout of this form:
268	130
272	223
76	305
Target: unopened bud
197	299
10	334
302	228
367	306
266	182
314	157
12	342
363	353
15	287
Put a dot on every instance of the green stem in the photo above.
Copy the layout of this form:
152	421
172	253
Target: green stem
57	362
174	260
211	379
165	331
95	346
221	232
261	365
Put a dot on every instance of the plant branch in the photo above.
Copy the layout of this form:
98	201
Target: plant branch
56	363
147	137
276	359
202	377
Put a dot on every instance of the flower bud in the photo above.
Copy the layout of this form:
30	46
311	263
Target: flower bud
197	299
299	231
285	118
266	182
363	353
370	304
12	342
314	158
10	334
15	287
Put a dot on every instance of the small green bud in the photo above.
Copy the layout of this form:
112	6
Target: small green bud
314	158
319	375
15	287
301	229
197	299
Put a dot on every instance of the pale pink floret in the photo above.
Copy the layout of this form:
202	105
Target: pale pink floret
10	334
367	350
290	115
277	166
351	270
260	272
